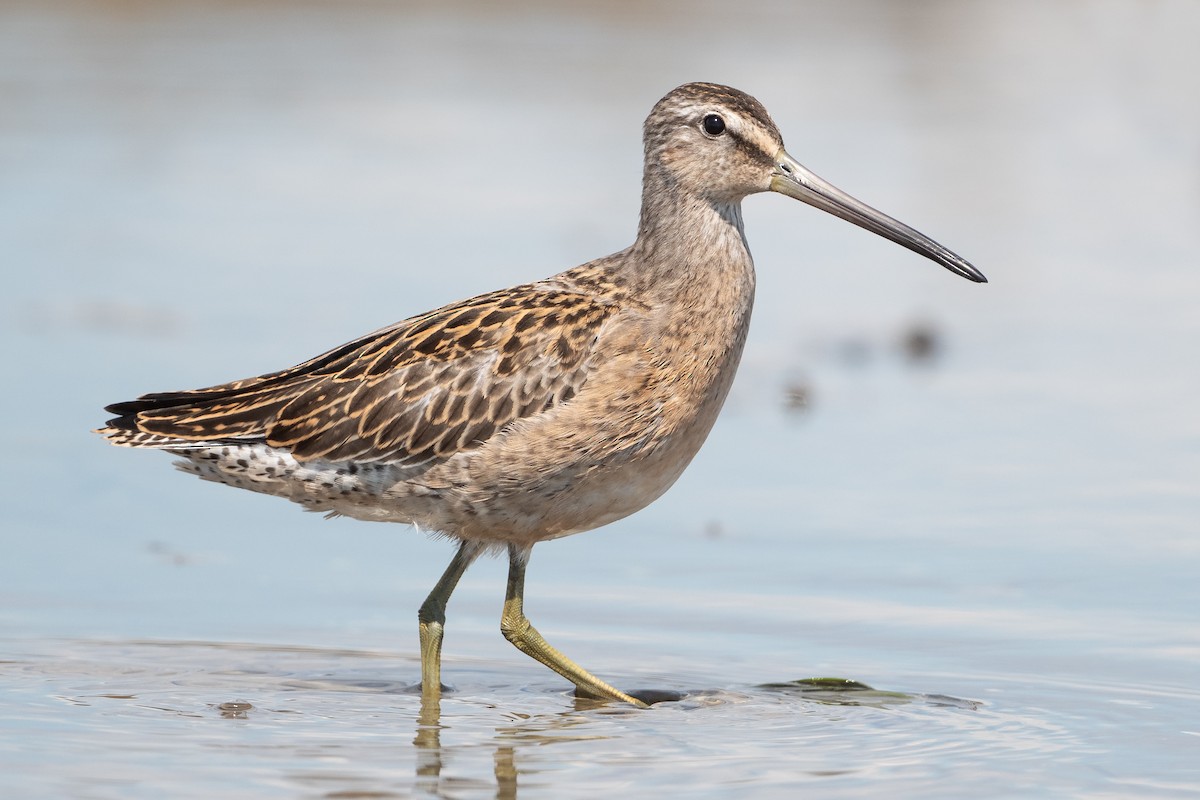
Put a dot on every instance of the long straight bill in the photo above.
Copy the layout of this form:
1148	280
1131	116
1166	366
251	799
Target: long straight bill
794	180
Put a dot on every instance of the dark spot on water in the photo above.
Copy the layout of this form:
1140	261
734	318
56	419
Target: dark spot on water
797	396
836	692
654	696
585	701
235	709
921	342
847	692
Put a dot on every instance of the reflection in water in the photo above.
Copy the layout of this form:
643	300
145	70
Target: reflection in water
431	758
541	730
506	773
428	742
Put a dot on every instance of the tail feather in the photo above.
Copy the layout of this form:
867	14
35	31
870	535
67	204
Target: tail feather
131	437
219	414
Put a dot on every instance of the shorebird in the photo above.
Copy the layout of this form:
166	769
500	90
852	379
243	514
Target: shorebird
533	412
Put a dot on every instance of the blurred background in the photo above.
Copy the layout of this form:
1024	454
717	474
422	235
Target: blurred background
938	488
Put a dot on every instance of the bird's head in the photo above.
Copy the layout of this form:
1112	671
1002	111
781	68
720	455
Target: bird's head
720	144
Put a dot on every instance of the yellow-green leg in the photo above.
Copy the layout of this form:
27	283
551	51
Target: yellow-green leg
517	629
432	618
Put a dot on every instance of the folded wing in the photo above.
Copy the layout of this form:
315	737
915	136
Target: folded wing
421	389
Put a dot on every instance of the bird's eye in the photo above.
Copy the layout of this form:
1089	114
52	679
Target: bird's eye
713	125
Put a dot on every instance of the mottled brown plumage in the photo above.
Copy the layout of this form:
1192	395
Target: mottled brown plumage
532	412
421	389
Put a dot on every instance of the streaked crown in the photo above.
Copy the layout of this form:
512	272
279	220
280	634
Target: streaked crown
711	140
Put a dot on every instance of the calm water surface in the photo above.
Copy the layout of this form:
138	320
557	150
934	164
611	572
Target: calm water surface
997	527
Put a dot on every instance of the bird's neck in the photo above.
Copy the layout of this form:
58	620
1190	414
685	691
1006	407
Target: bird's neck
691	249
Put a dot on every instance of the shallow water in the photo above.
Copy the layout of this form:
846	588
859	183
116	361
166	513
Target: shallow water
981	501
198	718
